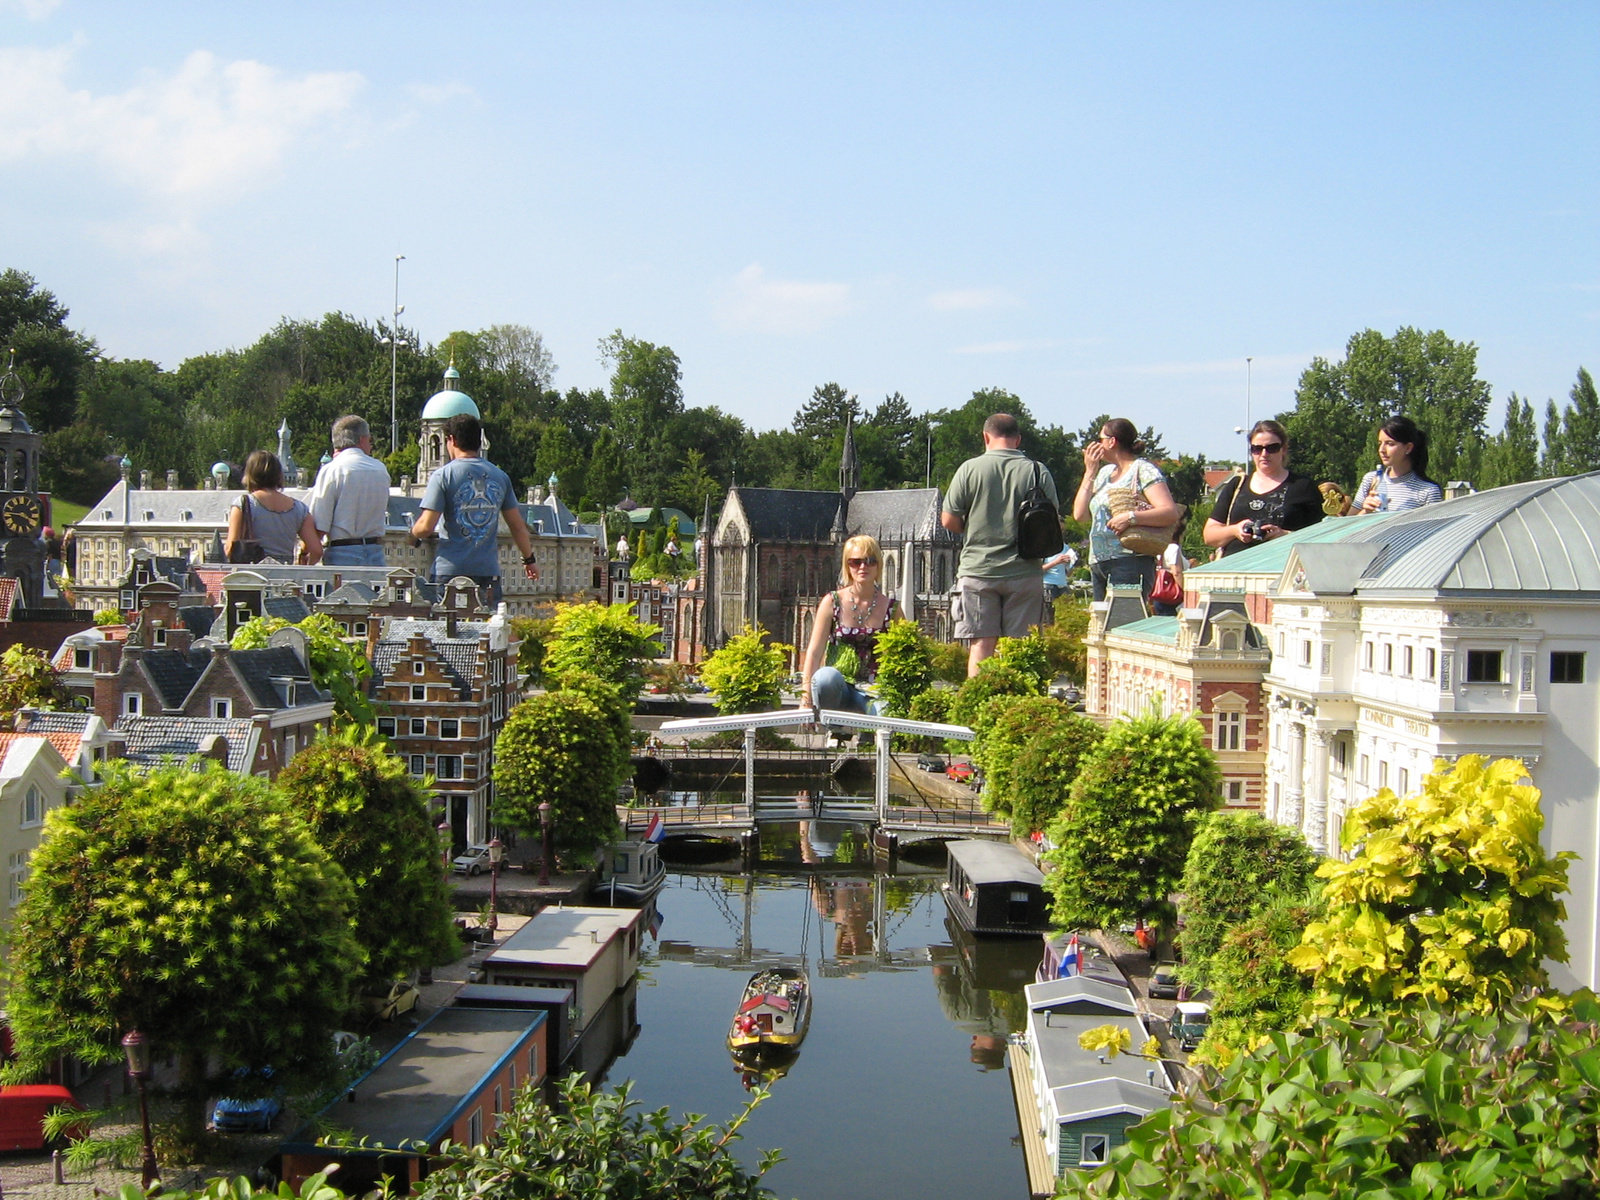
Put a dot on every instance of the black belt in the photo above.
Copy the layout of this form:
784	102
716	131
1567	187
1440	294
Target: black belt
355	542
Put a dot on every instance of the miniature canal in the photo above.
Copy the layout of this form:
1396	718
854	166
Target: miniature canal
900	1087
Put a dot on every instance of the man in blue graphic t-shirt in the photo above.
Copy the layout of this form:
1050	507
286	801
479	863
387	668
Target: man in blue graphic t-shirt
471	495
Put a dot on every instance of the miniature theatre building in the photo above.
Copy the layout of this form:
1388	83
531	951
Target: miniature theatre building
593	952
448	1081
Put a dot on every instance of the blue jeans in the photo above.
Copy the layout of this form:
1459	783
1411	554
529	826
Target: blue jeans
830	689
353	556
1123	570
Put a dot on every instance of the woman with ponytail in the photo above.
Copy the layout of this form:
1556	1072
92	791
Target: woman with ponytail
1401	480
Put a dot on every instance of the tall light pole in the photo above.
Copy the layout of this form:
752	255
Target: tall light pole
1247	377
394	359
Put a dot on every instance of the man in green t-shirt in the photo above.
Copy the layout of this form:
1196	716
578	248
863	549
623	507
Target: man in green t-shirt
997	593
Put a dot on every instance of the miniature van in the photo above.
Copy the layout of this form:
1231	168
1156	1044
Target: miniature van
22	1112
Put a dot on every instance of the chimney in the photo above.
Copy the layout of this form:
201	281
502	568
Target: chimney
405	485
144	481
450	622
172	480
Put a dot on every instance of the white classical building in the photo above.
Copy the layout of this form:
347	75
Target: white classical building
1460	628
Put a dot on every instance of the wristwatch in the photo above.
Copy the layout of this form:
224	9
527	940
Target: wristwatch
530	560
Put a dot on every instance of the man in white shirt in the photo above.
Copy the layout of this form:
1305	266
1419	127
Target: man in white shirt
350	502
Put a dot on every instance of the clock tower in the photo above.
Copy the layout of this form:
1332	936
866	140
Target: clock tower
21	510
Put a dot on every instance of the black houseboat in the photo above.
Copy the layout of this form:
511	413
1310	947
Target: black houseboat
993	889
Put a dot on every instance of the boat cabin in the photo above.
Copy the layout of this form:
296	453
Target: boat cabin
451	1079
594	952
993	890
559	1004
631	872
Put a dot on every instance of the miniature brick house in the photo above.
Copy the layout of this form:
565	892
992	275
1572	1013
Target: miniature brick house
442	688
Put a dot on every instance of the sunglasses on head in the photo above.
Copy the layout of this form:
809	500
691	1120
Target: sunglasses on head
861	562
1266	448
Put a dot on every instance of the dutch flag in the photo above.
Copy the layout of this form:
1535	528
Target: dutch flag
656	830
1071	960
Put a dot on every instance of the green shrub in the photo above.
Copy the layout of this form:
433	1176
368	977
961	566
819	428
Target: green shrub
933	706
948	662
1043	774
746	675
1029	657
1012	722
904	670
1254	989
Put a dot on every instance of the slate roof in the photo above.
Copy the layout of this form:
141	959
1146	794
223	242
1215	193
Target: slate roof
151	739
787	514
174	673
44	720
259	667
292	609
197	619
902	515
459	653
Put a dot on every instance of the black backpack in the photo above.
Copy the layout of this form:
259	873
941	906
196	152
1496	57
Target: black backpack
1038	523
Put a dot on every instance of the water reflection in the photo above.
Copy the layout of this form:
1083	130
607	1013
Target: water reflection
896	1091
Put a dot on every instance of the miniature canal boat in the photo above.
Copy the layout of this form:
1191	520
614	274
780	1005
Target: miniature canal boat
994	891
631	873
774	1011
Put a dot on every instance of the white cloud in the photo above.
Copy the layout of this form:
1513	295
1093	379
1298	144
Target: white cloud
33	10
752	301
208	131
967	299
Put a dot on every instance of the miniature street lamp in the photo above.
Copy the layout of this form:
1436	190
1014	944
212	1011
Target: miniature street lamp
544	856
497	853
137	1047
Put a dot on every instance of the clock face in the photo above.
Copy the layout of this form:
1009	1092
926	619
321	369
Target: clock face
21	515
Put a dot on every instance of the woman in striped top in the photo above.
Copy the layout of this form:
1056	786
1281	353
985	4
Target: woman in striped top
1401	480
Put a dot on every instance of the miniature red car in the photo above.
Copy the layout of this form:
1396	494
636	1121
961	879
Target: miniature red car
959	771
22	1113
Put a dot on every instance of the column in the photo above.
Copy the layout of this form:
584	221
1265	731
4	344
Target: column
1294	785
1316	822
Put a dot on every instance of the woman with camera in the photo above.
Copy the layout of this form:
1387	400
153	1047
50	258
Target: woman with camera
1268	502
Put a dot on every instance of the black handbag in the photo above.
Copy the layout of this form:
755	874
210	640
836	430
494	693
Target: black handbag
246	549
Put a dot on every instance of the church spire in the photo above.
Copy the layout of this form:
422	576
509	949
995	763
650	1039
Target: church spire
849	466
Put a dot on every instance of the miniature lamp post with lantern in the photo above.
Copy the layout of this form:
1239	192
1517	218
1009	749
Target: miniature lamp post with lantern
544	856
497	854
137	1047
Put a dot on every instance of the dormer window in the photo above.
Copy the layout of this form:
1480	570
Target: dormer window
222	709
106	514
186	515
149	514
82	660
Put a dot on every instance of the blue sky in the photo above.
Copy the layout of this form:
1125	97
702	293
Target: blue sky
1101	208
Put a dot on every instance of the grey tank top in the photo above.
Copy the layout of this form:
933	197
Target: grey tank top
277	532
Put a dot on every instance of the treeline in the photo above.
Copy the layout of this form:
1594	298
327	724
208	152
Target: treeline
1433	379
639	437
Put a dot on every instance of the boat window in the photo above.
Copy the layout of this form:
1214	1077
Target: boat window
1095	1148
622	864
1018	911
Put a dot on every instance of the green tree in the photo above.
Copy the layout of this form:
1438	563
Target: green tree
746	674
1450	899
1254	989
1043	774
932	706
1123	836
1014	722
1063	638
78	463
995	677
1236	864
646	393
559	749
51	358
1028	656
593	1143
693	485
1426	376
1512	455
373	819
195	906
904	666
607	640
1574	442
1427	1104
338	664
27	680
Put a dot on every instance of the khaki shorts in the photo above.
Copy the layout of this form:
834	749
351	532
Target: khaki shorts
986	608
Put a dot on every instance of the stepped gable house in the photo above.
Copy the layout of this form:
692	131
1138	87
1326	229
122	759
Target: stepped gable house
442	688
775	554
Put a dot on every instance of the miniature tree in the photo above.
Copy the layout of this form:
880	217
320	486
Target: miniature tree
559	748
27	680
605	640
1236	864
1012	724
746	674
194	906
904	670
1123	836
1046	766
338	665
1254	990
373	819
1451	898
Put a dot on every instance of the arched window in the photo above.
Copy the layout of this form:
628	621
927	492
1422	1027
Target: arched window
433	448
802	582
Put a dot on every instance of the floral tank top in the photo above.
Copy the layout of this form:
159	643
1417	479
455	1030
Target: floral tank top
862	639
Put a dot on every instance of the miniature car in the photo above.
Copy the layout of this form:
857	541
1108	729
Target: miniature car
959	771
253	1115
1164	981
23	1108
401	998
1190	1022
474	862
930	762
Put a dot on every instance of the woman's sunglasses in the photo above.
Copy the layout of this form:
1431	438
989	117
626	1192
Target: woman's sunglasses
1266	448
861	562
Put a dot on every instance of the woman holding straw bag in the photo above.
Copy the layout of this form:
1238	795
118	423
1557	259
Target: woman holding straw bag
1122	495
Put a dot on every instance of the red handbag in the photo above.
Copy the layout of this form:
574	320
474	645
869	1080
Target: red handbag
1166	589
